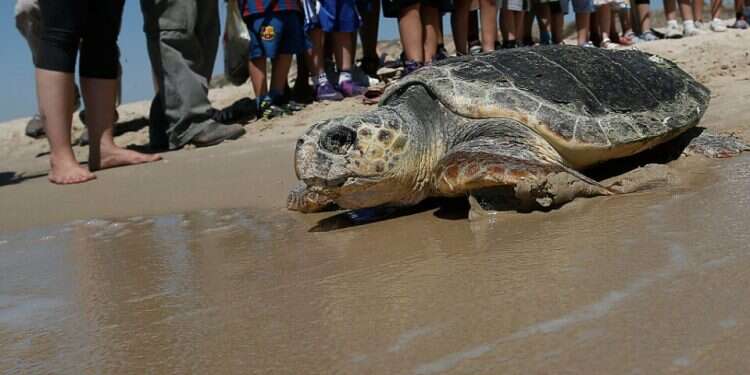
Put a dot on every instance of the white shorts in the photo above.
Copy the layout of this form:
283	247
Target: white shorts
515	5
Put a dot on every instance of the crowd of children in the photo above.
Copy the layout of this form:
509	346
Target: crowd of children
316	30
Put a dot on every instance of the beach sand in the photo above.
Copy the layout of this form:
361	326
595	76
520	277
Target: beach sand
257	170
193	264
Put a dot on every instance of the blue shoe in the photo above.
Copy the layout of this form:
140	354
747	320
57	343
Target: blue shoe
326	92
350	88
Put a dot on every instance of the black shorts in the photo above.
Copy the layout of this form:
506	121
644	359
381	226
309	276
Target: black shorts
392	8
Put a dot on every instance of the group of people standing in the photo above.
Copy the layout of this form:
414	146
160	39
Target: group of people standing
182	38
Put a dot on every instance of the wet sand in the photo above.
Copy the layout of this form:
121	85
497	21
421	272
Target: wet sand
644	283
193	265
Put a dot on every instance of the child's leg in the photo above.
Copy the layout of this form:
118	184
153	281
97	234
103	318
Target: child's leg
604	15
315	54
686	10
670	10
518	22
715	9
342	50
544	17
644	15
279	73
557	20
411	32
582	27
508	28
257	68
430	21
461	26
473	35
697	9
488	15
368	31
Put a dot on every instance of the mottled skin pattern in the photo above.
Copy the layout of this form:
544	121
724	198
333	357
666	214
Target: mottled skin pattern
509	119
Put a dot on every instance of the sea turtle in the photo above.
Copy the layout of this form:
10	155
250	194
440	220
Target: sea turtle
515	124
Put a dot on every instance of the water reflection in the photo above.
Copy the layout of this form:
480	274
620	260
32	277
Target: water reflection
614	284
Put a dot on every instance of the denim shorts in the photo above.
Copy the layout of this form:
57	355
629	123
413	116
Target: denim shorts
332	15
579	6
275	33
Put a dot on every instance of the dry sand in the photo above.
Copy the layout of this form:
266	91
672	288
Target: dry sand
256	170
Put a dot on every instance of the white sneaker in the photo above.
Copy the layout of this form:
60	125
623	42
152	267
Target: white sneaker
673	31
691	31
718	26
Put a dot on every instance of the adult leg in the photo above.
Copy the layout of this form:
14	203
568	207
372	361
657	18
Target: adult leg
557	21
63	23
182	38
99	71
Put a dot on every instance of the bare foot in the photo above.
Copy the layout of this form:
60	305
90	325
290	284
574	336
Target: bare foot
67	172
118	157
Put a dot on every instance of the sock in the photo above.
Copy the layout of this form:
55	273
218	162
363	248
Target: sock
672	23
320	79
717	20
689	25
545	37
275	96
345	75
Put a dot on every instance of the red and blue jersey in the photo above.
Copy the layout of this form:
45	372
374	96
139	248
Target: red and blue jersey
250	7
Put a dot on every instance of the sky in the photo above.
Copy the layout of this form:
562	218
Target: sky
18	99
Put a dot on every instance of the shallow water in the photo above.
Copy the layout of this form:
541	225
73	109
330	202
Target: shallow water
642	283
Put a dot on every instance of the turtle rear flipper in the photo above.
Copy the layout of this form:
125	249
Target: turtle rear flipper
509	166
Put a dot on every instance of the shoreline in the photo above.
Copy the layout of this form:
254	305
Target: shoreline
257	171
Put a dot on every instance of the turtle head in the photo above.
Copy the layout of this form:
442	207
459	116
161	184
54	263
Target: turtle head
356	161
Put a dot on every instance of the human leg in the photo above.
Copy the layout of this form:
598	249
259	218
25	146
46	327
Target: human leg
182	61
461	26
99	71
368	34
488	16
411	32
430	18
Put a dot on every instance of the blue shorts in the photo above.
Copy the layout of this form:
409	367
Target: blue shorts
332	15
275	33
579	6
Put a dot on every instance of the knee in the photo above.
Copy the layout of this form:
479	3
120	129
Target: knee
99	58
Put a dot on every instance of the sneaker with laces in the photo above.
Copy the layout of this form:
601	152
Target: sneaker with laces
350	88
588	44
648	36
326	92
718	26
267	110
691	30
673	32
740	25
410	66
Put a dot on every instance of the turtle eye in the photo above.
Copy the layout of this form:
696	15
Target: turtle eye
338	140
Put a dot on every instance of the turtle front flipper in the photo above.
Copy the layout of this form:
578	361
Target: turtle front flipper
505	165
